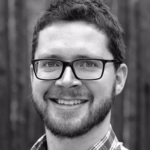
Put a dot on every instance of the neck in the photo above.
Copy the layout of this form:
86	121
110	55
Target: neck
90	138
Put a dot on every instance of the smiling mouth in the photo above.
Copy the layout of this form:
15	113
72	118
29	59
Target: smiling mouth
68	102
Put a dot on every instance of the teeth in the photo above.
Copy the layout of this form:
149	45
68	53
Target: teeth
69	102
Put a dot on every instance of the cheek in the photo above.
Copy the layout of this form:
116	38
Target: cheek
101	89
40	87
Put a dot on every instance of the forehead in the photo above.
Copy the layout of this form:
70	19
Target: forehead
71	39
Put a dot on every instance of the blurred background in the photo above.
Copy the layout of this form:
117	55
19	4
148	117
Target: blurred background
20	126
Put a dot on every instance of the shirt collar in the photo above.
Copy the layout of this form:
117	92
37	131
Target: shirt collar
109	142
41	144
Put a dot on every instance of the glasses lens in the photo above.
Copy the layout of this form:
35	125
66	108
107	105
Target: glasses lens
88	69
48	69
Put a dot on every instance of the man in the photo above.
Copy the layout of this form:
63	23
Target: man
77	69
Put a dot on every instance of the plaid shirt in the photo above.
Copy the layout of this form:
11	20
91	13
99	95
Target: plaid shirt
109	142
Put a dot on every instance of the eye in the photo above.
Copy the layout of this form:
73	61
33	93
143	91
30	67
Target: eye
50	64
88	63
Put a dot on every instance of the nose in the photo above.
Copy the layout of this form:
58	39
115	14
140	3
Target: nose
68	79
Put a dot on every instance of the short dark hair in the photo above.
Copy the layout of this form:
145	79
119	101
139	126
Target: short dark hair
90	11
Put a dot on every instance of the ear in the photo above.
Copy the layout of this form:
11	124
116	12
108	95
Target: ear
31	73
121	76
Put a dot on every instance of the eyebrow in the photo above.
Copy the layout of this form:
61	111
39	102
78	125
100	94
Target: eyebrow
47	56
54	56
87	57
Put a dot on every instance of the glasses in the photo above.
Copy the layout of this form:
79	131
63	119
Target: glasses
83	69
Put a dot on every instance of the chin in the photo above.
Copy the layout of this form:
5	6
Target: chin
75	127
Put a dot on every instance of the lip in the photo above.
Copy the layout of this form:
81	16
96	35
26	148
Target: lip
68	102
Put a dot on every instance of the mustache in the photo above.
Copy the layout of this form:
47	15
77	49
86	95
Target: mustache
74	93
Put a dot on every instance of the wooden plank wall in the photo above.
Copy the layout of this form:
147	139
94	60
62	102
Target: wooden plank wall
20	126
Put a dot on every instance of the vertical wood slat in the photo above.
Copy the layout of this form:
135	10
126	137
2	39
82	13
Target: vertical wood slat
4	77
20	77
143	74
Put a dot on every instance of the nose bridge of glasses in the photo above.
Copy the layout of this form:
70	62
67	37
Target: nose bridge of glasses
68	79
68	66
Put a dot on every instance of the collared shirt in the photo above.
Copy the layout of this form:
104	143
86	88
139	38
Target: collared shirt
109	142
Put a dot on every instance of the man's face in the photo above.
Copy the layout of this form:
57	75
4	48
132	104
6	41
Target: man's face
68	106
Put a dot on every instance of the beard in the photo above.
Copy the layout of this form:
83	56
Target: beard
65	127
